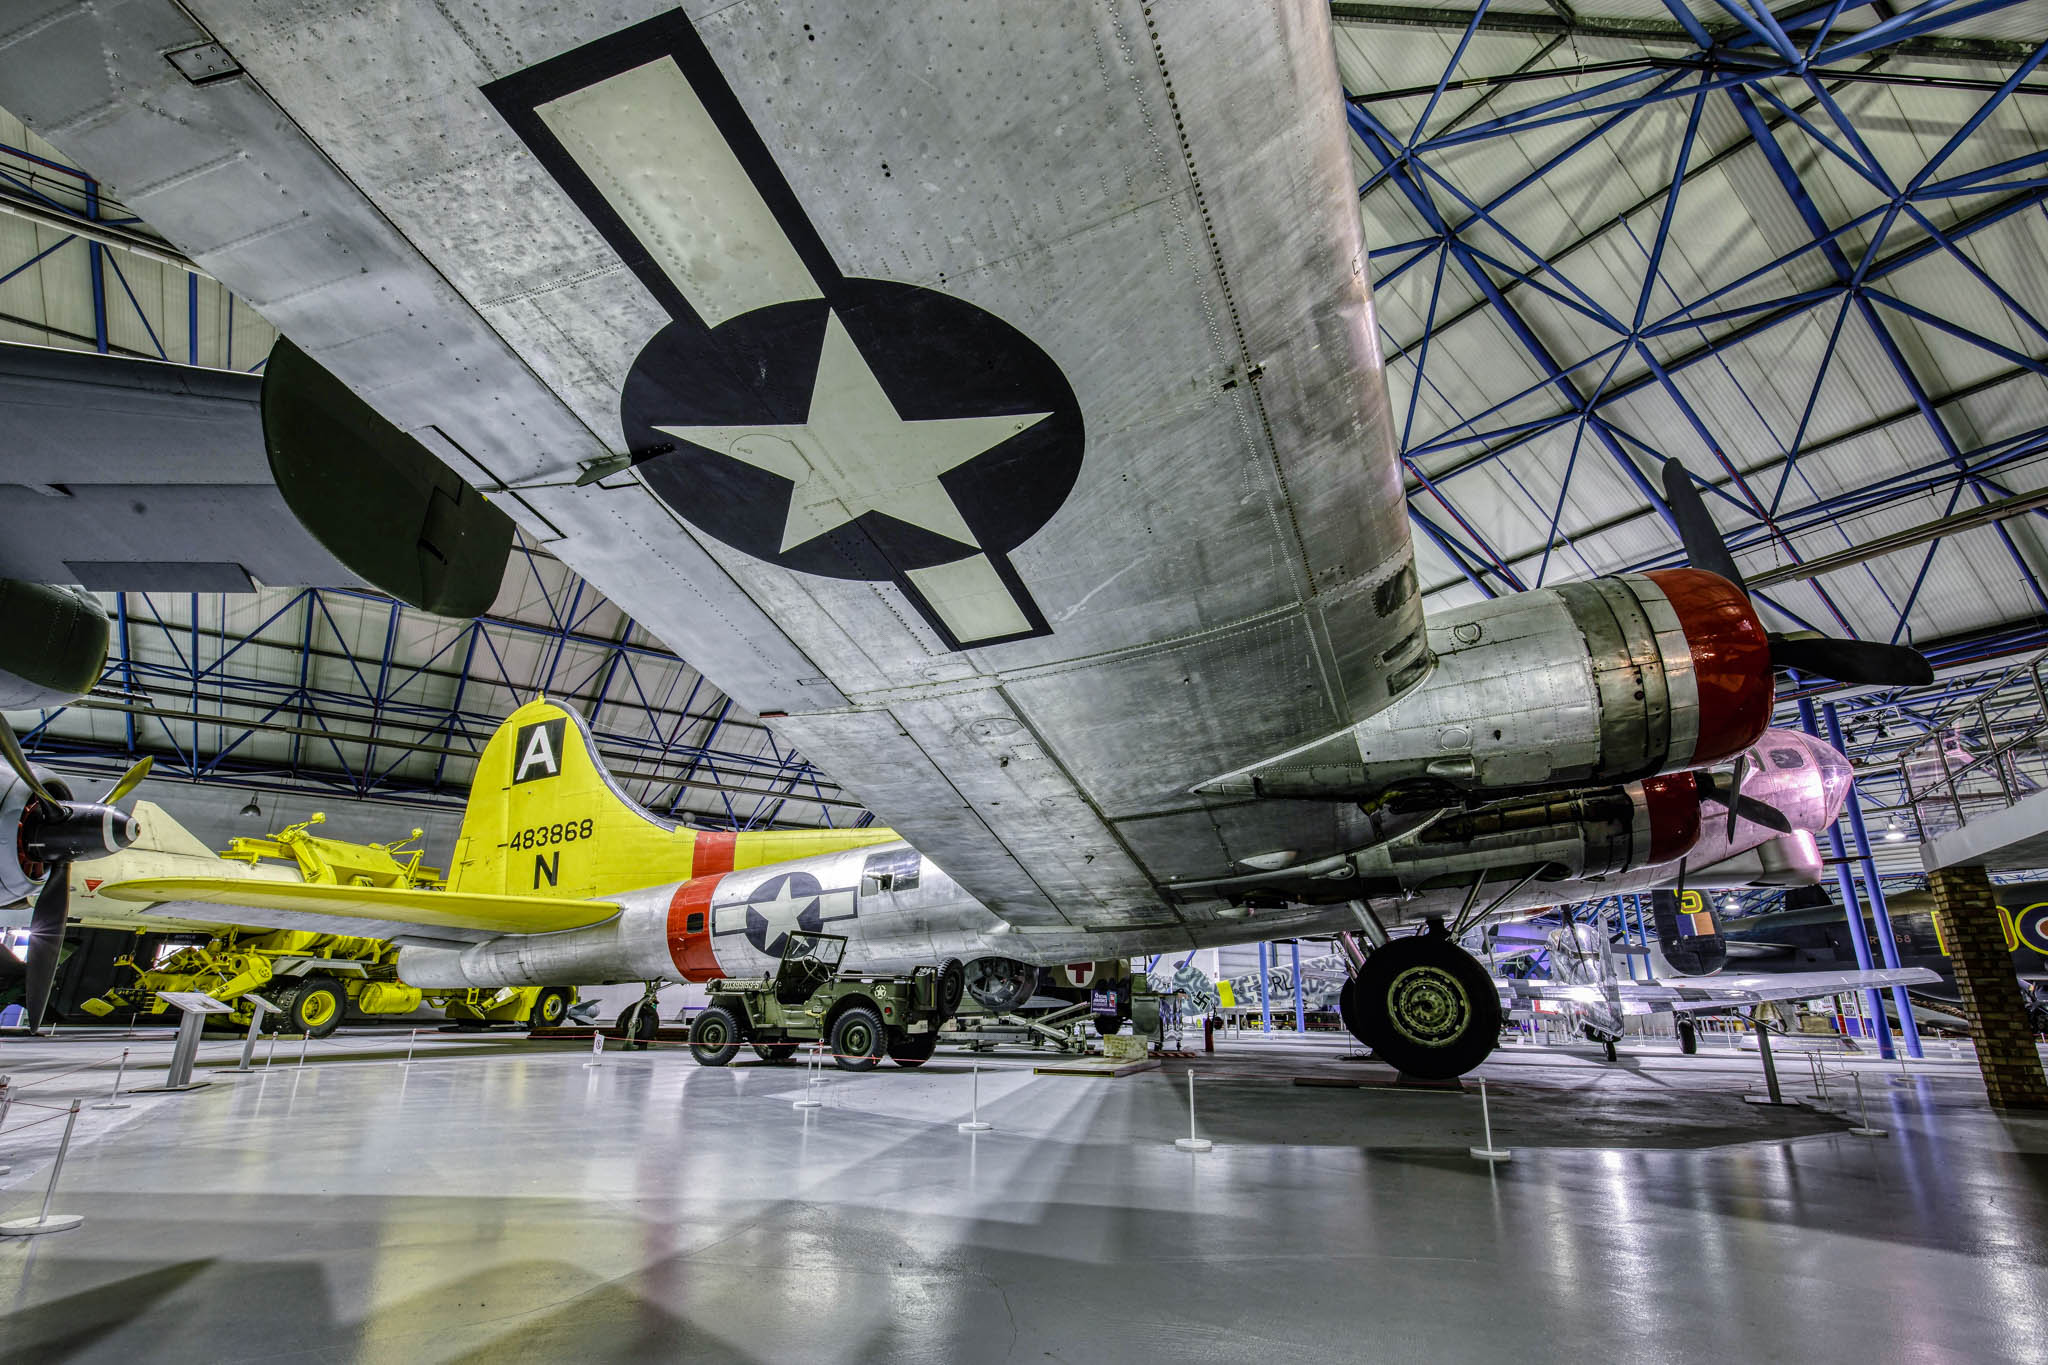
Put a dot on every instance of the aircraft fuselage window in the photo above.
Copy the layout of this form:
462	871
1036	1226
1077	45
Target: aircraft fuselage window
694	924
893	871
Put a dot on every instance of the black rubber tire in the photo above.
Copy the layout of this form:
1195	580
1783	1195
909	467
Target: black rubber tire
952	985
1355	1022
715	1036
320	997
913	1049
550	1008
775	1054
1431	1009
1107	1024
638	1023
859	1041
1608	1043
1688	1037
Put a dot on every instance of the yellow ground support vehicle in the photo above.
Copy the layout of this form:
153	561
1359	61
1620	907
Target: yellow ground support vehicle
311	980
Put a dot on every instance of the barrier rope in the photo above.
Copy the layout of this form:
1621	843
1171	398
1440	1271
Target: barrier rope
82	1066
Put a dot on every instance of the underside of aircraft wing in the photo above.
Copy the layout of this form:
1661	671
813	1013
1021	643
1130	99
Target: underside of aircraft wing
990	400
1707	994
135	475
366	909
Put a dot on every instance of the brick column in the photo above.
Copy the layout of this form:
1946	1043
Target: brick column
1966	912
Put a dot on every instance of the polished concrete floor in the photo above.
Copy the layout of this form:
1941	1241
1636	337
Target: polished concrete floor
499	1200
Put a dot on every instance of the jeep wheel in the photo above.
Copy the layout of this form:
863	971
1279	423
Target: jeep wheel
858	1041
715	1036
952	985
913	1049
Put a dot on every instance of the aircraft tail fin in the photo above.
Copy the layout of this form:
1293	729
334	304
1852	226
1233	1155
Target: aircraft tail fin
546	818
1688	936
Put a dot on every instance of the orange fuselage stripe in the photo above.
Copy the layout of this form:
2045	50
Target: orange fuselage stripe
690	949
712	852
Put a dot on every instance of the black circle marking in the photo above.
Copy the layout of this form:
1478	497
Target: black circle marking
800	886
935	356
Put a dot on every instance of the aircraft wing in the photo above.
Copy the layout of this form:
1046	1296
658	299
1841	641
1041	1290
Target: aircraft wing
123	474
990	399
377	911
1702	994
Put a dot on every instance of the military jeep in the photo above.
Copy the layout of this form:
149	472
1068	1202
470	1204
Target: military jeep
861	1019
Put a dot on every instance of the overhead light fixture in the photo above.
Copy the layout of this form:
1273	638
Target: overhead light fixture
251	809
1894	832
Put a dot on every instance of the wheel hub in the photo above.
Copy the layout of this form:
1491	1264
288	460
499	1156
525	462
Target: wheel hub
1428	1006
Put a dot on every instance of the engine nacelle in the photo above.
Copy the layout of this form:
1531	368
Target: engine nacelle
1787	860
21	870
1585	684
53	643
1550	837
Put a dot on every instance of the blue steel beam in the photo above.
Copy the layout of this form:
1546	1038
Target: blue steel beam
1300	1011
1404	163
1859	941
1873	886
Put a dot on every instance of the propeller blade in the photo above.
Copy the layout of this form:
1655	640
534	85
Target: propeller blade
130	780
1704	547
1735	793
46	941
19	762
1853	661
1747	807
1757	813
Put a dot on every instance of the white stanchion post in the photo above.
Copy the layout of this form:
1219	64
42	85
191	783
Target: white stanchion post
113	1099
305	1041
1864	1129
1191	1143
47	1221
1489	1152
809	1100
270	1053
974	1124
596	1049
5	1101
257	1009
410	1044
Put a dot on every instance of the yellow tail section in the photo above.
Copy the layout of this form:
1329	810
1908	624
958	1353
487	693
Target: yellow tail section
546	819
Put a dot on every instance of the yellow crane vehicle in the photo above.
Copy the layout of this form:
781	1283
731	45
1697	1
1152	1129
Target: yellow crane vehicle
309	979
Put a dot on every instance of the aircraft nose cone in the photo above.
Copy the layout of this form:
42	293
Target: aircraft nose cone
131	830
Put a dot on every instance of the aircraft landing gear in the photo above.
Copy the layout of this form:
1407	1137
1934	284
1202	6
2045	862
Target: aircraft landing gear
1688	1037
1355	1021
1425	1006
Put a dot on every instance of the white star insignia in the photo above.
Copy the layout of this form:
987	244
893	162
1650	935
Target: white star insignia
854	454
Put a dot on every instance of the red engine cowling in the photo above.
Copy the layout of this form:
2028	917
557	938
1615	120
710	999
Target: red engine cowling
1730	653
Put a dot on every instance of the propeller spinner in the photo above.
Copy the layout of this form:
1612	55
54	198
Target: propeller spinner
55	833
1866	662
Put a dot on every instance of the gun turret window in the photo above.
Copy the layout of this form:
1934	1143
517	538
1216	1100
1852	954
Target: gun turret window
895	870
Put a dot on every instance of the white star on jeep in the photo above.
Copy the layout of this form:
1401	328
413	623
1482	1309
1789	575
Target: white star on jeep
854	454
